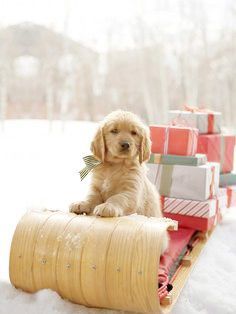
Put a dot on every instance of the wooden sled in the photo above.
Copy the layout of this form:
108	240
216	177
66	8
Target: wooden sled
97	262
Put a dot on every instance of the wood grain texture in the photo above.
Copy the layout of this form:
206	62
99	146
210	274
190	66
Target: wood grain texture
98	262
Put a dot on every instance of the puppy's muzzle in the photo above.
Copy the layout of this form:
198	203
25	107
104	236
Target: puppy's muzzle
124	145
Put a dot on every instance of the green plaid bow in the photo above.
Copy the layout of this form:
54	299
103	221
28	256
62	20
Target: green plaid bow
91	162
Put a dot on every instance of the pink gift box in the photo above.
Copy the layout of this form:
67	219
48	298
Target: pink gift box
174	140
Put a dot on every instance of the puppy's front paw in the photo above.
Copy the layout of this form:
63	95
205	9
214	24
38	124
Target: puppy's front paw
80	208
107	210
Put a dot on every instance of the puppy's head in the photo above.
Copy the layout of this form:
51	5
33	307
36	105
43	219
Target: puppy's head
121	135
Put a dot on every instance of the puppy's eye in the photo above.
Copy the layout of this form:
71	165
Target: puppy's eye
133	132
114	131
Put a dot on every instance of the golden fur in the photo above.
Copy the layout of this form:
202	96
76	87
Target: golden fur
119	186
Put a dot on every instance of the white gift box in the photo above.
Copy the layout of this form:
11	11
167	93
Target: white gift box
206	122
186	182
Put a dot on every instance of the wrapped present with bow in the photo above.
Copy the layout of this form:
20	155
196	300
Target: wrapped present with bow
218	148
186	182
174	140
197	160
205	120
200	215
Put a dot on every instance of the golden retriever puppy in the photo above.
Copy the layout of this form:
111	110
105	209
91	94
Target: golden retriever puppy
119	185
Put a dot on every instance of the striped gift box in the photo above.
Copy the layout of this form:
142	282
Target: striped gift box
205	209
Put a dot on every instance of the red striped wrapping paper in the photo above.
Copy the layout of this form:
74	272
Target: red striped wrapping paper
188	207
191	214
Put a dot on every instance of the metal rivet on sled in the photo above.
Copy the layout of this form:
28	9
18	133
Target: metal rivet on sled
118	269
20	256
68	266
94	267
44	261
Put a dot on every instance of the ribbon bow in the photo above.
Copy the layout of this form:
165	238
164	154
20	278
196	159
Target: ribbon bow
196	109
91	162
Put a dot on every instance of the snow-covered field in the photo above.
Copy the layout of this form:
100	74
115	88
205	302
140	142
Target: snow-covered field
38	168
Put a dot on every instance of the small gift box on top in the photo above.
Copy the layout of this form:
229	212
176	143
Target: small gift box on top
174	140
205	120
218	148
186	182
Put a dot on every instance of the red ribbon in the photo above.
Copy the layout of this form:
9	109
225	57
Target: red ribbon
211	122
229	195
218	213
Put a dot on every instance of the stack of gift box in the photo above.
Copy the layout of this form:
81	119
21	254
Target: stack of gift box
187	158
218	147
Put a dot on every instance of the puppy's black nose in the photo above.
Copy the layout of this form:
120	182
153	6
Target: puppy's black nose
125	145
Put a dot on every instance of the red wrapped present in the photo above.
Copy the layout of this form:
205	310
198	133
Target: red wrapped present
174	140
231	193
218	148
191	214
204	209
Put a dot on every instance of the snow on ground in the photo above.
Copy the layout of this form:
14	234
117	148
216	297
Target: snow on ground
38	168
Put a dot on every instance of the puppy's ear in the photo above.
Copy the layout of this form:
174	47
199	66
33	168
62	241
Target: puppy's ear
145	147
98	145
